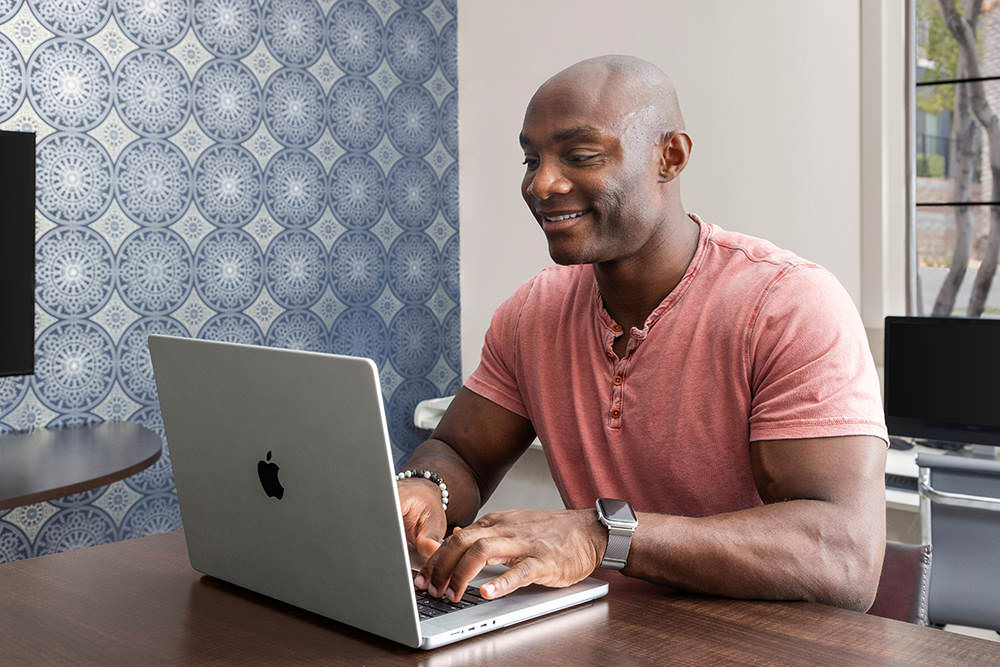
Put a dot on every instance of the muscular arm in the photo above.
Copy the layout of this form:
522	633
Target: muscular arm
474	445
820	535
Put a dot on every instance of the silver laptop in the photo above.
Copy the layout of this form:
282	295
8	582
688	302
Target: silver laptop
286	486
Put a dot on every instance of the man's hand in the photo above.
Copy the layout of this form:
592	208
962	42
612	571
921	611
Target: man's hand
553	548
424	520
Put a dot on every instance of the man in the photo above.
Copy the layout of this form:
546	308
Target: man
720	385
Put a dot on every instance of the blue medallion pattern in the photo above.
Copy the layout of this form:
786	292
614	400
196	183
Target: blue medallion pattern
357	190
411	46
414	341
75	528
449	195
410	120
12	392
358	265
83	497
449	52
74	272
360	332
413	193
297	330
229	269
414	267
228	185
293	31
71	18
253	171
153	23
154	271
74	419
450	268
232	328
152	93
227	28
135	371
73	178
69	84
153	182
356	115
452	339
153	514
295	262
294	108
449	123
11	79
227	100
295	188
74	363
8	8
405	436
357	37
14	544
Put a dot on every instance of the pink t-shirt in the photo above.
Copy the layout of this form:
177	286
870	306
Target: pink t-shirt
754	343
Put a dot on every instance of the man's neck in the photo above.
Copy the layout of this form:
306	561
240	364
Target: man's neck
632	288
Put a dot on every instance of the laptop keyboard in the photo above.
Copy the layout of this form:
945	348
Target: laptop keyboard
431	607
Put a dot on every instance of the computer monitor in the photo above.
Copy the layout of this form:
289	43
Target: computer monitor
17	253
942	378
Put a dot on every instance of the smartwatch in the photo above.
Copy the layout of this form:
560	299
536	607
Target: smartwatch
618	516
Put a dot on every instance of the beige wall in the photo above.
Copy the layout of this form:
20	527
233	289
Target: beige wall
771	90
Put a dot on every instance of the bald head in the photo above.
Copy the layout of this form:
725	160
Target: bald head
640	93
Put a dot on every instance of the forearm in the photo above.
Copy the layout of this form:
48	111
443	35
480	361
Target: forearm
796	550
463	488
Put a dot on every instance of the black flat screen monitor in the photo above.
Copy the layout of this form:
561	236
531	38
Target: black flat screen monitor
942	378
17	253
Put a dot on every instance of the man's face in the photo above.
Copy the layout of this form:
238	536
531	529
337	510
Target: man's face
589	176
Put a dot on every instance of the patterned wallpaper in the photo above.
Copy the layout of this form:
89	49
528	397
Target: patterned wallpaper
280	172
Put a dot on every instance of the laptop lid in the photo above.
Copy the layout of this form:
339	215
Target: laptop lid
330	539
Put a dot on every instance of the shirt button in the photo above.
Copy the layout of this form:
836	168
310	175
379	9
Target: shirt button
618	380
617	328
616	413
611	354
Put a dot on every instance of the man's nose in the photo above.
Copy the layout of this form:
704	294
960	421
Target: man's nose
548	180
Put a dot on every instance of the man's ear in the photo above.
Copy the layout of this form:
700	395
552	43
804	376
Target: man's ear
675	150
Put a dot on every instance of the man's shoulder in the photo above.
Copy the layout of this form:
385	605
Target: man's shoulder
553	282
753	251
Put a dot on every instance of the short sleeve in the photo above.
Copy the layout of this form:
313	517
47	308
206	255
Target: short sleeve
812	372
495	378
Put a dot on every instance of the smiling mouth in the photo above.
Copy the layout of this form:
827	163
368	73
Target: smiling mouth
560	218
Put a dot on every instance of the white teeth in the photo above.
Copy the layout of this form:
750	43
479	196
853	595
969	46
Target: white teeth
563	217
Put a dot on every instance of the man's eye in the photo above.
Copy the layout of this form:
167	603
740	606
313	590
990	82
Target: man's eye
530	162
581	158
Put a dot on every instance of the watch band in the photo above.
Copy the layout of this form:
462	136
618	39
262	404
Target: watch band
616	555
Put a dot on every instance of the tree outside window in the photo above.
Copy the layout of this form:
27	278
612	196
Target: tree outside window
957	149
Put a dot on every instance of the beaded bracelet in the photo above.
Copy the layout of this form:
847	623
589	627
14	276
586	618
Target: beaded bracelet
433	476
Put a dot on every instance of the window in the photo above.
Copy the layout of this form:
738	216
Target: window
955	224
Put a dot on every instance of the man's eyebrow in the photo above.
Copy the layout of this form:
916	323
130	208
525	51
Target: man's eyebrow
577	132
585	131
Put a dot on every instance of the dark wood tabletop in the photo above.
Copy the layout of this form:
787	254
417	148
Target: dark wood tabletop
139	602
52	463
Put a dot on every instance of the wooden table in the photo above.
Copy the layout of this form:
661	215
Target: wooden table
55	462
139	602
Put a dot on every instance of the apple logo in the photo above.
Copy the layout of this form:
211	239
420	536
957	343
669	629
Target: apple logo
268	473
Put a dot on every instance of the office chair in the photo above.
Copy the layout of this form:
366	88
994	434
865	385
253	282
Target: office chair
960	518
903	586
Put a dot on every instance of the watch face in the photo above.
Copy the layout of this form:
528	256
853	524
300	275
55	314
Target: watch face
617	510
